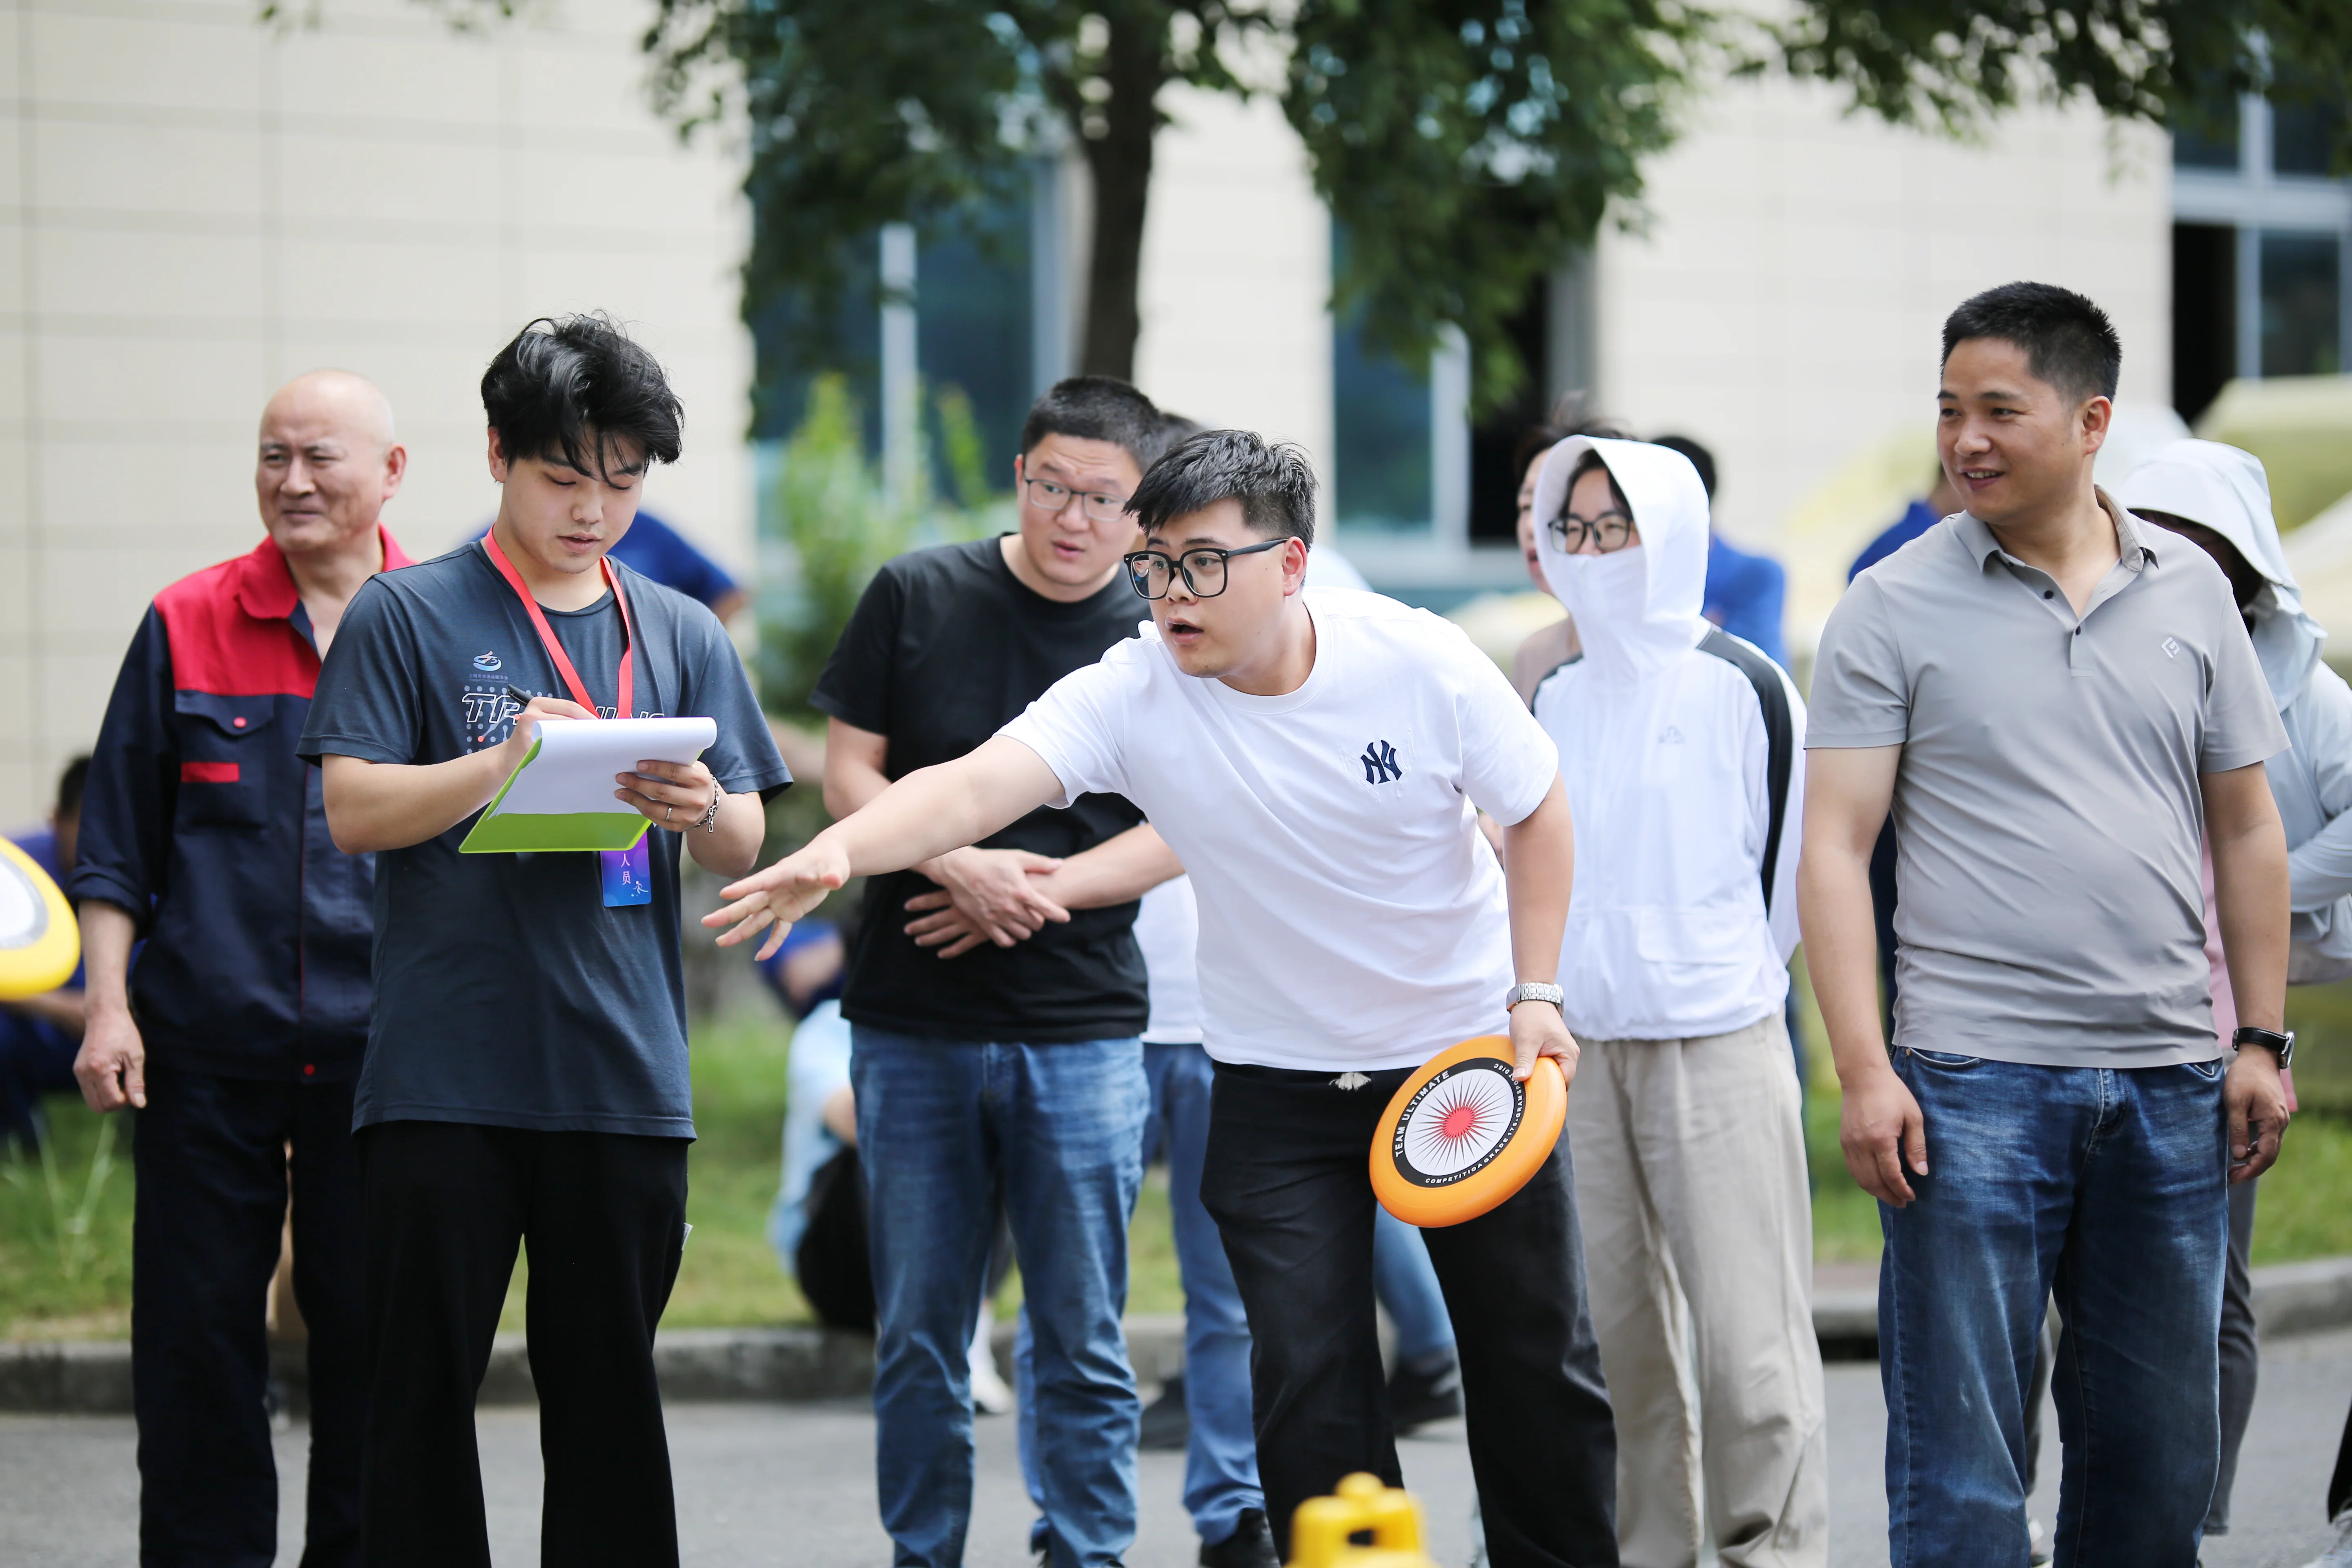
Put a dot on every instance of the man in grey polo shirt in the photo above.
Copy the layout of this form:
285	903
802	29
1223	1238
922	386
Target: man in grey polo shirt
2056	701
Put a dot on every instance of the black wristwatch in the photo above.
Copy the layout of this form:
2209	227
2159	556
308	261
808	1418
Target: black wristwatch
2269	1039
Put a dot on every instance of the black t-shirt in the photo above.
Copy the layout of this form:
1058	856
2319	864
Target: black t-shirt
505	992
945	648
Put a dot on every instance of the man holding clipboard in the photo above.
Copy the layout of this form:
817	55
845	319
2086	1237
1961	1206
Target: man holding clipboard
526	1071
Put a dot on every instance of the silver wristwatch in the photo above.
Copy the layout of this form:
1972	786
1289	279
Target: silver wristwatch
1534	990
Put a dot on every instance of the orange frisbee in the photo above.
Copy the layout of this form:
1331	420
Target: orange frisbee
1461	1137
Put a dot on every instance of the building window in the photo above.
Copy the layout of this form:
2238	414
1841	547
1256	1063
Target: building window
1411	470
975	338
2260	233
2302	304
1380	420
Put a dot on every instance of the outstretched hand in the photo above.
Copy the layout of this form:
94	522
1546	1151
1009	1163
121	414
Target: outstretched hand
778	896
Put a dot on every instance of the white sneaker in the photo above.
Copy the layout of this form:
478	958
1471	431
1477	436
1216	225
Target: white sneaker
2339	1551
2037	1542
990	1393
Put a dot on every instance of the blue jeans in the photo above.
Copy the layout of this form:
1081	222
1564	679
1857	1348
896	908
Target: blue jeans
1406	1283
945	1128
1221	1459
2108	1187
1221	1456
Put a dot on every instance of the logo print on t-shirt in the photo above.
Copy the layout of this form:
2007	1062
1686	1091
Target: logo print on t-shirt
487	662
1381	764
2171	649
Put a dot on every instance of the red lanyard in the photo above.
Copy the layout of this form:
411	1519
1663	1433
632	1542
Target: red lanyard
555	649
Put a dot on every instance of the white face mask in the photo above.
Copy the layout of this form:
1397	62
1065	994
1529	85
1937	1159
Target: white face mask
1598	589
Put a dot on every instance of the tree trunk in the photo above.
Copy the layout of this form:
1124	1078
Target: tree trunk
1120	161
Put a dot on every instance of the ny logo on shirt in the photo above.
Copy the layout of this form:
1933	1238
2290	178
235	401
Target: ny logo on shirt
1380	765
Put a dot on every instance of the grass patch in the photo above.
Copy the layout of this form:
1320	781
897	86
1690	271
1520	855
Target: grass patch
65	1230
59	1283
729	1276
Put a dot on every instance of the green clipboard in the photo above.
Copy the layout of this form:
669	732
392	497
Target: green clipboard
560	797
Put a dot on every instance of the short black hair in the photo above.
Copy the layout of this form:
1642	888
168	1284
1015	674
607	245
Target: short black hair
71	784
1099	408
571	387
2068	341
1700	459
1275	484
1586	464
1571	415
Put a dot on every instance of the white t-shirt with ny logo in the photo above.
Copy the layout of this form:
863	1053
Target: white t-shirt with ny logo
1352	918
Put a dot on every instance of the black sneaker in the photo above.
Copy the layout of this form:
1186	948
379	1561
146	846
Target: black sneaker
1251	1545
1167	1424
1424	1390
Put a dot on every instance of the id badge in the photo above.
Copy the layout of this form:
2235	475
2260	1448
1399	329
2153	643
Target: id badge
628	874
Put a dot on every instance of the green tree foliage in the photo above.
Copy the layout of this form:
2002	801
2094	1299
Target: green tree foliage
871	112
1466	144
835	523
1469	145
1950	63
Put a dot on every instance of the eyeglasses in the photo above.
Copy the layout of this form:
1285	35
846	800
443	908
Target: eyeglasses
1150	572
1048	496
1612	530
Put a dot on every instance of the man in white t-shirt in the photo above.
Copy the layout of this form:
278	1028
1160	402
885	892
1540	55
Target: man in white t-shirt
1315	761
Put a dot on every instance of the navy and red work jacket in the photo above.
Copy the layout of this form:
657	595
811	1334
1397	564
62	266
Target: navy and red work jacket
201	821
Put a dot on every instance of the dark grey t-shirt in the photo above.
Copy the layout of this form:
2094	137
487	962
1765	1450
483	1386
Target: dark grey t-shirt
505	992
2047	813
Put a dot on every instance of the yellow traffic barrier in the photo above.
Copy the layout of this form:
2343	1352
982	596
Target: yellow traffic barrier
1319	1529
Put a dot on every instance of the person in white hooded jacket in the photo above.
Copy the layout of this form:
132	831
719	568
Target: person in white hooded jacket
1682	751
2219	497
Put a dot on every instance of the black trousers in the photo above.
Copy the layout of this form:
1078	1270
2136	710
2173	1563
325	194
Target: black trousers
604	1215
210	1154
1290	1184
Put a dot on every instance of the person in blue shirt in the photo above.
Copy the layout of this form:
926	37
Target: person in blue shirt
1918	518
657	551
1745	592
39	1034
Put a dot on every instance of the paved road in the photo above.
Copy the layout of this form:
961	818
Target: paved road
793	1484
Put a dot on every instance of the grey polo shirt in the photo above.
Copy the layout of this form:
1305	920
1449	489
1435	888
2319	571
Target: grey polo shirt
2047	816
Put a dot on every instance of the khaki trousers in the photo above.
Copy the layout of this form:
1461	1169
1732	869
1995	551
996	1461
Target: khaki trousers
1699	1238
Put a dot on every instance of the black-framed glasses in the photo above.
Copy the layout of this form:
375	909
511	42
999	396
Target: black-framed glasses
1150	572
1048	496
1612	530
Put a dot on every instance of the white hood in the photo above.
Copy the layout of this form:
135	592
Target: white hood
2226	491
1665	757
1636	610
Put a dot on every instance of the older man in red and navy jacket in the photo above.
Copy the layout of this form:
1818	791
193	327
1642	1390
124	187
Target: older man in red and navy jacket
240	1031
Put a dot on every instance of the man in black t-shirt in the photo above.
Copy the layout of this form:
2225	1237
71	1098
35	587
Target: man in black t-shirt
525	1078
1014	1073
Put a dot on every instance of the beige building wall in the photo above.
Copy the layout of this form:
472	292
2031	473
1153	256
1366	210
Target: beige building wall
200	207
1237	284
1784	302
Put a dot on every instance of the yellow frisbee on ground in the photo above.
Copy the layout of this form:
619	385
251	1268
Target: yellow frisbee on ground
1461	1136
39	944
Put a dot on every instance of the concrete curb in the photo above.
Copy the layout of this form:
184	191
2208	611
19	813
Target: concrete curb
795	1364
